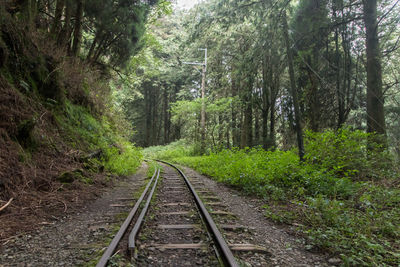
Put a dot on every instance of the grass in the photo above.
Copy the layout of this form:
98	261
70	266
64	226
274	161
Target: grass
344	198
82	130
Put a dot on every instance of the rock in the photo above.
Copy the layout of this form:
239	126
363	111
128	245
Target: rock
335	261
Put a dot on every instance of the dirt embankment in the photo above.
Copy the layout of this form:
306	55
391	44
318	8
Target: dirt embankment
36	78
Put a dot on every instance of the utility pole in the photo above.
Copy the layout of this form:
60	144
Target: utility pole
203	102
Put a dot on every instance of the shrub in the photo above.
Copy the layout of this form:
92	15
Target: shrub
346	154
122	161
86	132
176	149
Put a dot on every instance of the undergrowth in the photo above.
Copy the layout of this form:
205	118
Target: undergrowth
153	165
173	150
82	129
344	197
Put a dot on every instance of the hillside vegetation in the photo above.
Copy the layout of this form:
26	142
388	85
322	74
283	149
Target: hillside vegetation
60	134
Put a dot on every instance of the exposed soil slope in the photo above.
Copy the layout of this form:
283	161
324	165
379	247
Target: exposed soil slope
41	170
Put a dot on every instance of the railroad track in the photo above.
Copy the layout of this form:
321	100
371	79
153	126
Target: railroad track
187	234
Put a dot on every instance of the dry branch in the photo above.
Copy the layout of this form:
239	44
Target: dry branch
7	204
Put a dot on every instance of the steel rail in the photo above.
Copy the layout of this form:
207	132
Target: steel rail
223	248
117	238
139	222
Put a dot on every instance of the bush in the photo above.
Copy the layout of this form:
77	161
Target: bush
85	132
122	161
176	149
346	154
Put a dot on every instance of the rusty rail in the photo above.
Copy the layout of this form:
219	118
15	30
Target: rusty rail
139	222
117	238
224	251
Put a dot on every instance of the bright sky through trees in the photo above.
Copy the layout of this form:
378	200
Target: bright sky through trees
186	4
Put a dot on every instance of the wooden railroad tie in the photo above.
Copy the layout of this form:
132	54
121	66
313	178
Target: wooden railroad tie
220	204
180	246
248	247
176	213
120	205
176	204
232	227
178	226
211	197
174	187
222	212
233	247
204	192
125	199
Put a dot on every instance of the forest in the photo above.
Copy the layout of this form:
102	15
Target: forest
293	102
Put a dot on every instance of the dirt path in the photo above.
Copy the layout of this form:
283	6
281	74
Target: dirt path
78	238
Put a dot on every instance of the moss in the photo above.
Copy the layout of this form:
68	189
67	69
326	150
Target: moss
75	175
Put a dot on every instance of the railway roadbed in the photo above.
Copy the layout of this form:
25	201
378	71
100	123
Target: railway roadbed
75	239
172	234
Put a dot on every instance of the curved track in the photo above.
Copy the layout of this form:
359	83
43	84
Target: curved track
181	231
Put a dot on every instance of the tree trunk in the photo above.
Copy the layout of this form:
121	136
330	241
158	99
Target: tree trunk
234	126
92	47
313	99
57	17
256	127
266	104
339	91
272	125
154	116
375	101
166	116
65	34
147	104
27	12
247	126
78	28
297	115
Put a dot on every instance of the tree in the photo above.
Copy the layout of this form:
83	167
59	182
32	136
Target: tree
375	100
78	28
299	131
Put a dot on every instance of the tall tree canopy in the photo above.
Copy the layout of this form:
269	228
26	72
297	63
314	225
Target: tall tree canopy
249	84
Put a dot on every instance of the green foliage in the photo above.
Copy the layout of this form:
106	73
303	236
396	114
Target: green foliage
187	113
82	130
345	153
122	161
273	175
364	231
324	195
153	165
174	150
120	25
